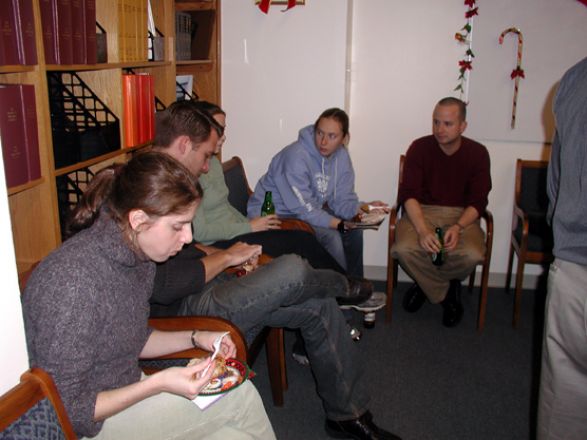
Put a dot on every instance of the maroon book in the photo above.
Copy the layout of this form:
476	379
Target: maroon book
8	33
31	135
49	36
25	31
12	134
77	32
90	31
63	29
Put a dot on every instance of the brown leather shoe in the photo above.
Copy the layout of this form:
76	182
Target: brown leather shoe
359	291
362	428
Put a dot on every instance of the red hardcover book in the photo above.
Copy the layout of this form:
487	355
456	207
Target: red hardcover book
62	27
90	31
78	26
31	135
8	32
25	27
146	107
49	36
129	107
12	134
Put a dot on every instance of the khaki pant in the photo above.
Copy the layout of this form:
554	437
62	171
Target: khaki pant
238	415
459	263
562	408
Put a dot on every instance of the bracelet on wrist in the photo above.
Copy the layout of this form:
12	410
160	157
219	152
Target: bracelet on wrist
193	338
461	227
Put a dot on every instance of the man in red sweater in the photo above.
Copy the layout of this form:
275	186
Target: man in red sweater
446	181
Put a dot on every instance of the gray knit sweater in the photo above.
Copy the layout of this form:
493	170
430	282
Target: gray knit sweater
85	311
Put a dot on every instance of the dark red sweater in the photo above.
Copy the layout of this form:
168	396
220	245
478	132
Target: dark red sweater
433	178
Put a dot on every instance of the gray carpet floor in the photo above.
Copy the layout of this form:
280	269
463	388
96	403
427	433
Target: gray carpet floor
430	382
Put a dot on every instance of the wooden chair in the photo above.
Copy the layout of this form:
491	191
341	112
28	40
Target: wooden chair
531	237
33	410
392	263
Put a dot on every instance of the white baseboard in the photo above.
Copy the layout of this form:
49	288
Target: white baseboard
379	273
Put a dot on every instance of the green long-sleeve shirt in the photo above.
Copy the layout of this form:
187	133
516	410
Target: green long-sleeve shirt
216	219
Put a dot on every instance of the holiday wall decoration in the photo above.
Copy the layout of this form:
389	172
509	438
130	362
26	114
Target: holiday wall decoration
518	72
465	36
264	4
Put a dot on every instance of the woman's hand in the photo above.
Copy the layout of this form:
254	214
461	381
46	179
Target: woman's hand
265	223
185	381
376	205
205	340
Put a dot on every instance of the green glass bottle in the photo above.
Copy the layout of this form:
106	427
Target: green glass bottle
267	208
438	257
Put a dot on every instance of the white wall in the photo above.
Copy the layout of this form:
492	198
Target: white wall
279	72
12	341
403	59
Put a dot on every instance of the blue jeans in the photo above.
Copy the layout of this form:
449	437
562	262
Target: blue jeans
346	249
289	293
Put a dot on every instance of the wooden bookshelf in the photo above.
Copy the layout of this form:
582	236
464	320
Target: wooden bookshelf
34	206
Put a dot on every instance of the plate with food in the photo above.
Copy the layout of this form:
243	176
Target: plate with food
227	375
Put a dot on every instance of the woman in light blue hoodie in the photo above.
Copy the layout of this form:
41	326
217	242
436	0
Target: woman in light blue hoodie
313	179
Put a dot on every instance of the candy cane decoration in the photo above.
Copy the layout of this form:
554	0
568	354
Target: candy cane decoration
518	72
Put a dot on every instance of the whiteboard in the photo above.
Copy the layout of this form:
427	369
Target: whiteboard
554	38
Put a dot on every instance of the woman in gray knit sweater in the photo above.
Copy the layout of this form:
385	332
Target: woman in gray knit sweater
86	309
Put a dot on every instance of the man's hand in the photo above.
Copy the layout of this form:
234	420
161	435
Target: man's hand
265	223
429	242
240	253
451	237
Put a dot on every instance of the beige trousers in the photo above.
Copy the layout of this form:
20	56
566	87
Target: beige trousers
459	263
238	415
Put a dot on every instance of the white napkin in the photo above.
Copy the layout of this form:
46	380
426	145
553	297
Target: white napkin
205	401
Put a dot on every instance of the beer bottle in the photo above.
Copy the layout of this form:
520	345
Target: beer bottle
267	208
438	257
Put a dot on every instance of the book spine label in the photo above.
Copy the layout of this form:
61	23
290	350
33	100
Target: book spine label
77	32
90	31
29	117
26	31
63	29
49	37
130	104
12	134
8	33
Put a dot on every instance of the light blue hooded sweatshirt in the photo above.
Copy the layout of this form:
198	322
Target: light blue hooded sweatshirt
301	181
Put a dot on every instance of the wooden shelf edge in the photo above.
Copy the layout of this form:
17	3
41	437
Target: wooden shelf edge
95	160
18	68
193	62
105	66
20	188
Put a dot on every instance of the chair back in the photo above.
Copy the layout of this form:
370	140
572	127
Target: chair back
33	410
237	183
531	193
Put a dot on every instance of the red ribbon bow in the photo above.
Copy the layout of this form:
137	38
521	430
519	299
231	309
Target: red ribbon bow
518	71
465	65
264	5
472	12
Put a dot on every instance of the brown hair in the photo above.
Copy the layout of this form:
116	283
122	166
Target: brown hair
338	115
183	118
459	103
152	182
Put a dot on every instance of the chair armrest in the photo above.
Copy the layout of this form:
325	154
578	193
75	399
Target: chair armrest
296	224
180	323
